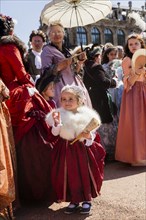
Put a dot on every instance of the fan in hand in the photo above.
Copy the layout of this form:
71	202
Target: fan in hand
91	126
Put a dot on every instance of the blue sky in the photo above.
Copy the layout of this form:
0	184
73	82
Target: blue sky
27	13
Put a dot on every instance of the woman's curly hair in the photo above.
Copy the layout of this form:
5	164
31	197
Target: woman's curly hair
6	25
37	33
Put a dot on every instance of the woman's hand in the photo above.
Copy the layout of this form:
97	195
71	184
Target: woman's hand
140	71
4	92
64	64
82	56
79	61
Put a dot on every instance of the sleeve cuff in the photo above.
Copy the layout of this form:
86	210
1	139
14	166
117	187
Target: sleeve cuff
89	142
56	130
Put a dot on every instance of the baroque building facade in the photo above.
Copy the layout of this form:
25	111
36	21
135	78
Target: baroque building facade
114	28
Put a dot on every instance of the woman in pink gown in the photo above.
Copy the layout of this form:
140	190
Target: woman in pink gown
131	138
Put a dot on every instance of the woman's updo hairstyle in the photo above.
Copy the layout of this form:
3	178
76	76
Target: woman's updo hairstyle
6	25
39	33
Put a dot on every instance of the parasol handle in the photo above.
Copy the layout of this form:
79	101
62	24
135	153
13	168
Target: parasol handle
76	55
81	44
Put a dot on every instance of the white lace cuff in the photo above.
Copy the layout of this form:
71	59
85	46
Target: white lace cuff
56	130
90	141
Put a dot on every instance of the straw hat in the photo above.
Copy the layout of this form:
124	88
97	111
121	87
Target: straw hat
139	59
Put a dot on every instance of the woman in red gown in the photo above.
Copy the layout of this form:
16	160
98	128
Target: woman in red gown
27	109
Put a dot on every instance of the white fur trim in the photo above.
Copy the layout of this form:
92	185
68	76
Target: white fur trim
73	124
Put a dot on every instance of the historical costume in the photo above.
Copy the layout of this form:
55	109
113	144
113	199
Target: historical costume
7	157
58	57
98	82
36	39
51	55
34	63
131	138
27	109
77	169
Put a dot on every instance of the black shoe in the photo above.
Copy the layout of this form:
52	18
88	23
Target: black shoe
85	210
71	208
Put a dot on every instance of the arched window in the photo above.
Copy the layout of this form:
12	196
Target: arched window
120	37
95	36
108	36
81	36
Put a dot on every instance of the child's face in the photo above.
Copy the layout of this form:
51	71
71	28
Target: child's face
69	101
112	55
49	92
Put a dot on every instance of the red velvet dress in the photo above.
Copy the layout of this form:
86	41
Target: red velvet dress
77	169
31	133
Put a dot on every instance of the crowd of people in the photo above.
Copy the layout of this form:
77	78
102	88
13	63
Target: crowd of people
64	114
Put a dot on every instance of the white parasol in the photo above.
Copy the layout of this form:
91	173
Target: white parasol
75	13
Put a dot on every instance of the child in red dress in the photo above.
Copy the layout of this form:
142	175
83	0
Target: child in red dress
77	171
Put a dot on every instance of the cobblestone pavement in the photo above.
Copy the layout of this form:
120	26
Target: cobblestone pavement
123	197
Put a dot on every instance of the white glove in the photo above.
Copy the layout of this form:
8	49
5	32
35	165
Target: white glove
32	90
